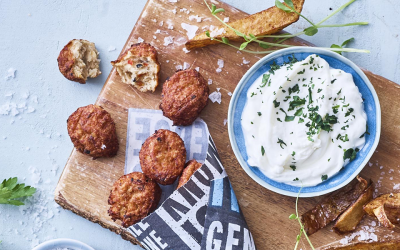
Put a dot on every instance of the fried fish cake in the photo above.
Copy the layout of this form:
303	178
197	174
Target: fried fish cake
78	60
133	197
162	156
184	96
92	131
190	167
139	67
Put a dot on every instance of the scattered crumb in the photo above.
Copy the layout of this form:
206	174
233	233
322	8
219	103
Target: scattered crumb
190	29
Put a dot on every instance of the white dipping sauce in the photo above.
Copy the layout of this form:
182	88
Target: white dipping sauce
296	148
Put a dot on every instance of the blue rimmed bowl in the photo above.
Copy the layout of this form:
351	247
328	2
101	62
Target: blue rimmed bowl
371	106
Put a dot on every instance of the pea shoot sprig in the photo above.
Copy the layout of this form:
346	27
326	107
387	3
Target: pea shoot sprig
280	38
302	231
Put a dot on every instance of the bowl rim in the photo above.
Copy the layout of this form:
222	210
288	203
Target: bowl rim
252	70
63	242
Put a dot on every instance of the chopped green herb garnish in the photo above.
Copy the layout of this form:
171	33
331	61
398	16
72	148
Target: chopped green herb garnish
296	102
293	167
259	113
281	143
262	151
324	177
350	154
276	104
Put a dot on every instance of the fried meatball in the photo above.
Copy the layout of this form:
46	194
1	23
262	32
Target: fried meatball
162	156
139	67
190	167
184	96
92	131
133	197
78	61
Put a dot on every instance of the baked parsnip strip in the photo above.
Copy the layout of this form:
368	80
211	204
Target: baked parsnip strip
266	22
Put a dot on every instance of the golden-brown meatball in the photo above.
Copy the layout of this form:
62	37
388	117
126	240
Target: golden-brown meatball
78	61
139	67
184	96
133	197
163	156
92	131
190	167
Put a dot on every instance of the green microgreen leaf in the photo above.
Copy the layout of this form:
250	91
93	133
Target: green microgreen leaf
225	40
292	217
310	31
283	7
243	45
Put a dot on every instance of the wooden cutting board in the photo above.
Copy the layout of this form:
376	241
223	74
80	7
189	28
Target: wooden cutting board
85	184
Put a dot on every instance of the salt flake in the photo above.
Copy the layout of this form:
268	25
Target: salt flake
168	40
10	73
140	40
215	97
190	29
186	66
111	48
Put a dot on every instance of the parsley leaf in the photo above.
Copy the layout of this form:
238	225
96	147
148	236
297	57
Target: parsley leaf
324	177
262	151
10	191
276	104
296	102
350	154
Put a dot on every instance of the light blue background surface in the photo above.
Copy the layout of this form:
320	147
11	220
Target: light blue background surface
35	145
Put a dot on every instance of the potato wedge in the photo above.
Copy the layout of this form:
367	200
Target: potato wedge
386	208
266	22
350	218
391	245
333	205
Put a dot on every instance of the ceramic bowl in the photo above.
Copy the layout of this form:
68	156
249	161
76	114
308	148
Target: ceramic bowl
371	106
63	243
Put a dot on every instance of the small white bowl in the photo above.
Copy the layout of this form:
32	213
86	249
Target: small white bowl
63	243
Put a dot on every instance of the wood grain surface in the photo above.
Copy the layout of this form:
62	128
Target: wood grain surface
85	184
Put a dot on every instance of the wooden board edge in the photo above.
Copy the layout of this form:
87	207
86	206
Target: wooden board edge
60	200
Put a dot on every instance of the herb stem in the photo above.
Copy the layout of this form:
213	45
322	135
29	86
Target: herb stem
336	11
301	225
342	25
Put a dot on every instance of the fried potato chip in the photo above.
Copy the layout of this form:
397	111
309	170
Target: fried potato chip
350	218
266	22
386	208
